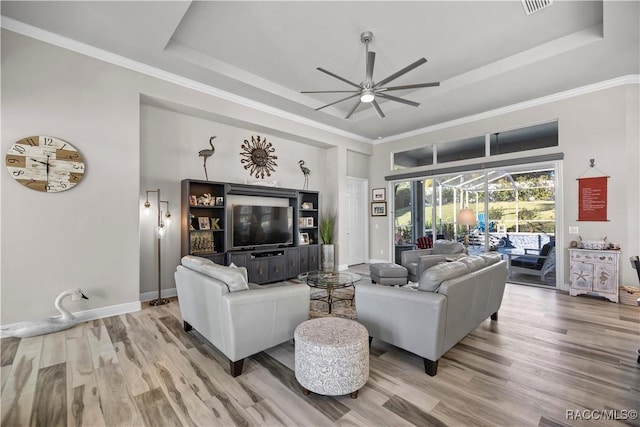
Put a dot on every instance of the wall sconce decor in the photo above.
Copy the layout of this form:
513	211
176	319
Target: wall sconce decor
164	219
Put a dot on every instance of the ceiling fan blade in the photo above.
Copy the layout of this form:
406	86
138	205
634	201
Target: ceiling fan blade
339	100
410	86
377	108
352	109
371	59
401	72
330	91
395	98
338	77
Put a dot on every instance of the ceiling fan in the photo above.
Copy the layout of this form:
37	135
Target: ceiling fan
368	90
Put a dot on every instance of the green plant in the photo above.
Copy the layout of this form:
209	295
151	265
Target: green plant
327	228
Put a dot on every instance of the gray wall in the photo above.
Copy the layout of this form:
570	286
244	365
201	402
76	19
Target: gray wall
95	235
602	125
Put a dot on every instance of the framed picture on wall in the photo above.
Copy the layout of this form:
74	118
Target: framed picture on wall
309	222
379	195
379	209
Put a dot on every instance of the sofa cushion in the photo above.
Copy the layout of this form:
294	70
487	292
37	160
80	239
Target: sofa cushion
433	277
232	277
491	258
473	262
447	247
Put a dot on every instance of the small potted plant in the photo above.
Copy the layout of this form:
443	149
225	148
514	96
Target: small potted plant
327	230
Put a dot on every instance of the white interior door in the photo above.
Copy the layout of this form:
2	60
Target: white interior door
357	233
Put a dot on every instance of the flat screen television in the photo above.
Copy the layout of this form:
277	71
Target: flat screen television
255	226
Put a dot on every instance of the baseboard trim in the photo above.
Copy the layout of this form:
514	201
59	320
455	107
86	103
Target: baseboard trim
96	313
377	261
165	293
112	310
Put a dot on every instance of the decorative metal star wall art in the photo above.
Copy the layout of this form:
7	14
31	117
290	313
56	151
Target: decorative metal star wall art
257	156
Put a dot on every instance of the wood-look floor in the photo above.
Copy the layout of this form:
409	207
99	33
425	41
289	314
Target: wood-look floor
547	354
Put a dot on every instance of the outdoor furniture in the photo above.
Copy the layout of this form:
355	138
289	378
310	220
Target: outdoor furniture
424	242
532	263
386	273
331	356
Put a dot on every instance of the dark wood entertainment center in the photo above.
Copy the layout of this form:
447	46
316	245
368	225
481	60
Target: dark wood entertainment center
264	264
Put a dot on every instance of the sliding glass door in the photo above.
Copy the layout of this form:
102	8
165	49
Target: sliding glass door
514	210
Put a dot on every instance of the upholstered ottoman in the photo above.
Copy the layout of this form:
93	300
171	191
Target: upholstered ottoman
386	273
331	356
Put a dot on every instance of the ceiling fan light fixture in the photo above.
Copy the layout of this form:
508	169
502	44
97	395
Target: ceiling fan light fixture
367	96
367	90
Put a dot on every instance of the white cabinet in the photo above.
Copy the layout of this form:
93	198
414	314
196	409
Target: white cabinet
594	272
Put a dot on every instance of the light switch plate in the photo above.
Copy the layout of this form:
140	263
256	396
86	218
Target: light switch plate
573	230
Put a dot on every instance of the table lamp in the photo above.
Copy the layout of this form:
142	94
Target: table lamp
466	217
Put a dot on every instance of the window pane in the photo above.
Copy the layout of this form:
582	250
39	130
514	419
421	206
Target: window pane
403	220
413	158
461	150
529	138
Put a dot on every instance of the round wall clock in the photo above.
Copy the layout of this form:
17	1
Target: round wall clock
45	163
257	156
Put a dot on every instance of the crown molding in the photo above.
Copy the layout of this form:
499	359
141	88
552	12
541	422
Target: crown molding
607	84
106	56
112	58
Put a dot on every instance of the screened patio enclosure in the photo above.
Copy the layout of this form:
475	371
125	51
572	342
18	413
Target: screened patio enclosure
514	207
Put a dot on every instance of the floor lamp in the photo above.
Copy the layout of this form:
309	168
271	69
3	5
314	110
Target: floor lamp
162	226
466	217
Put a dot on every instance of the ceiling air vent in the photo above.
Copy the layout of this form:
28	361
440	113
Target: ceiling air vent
532	6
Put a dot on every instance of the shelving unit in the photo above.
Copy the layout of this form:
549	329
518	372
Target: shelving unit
308	216
198	208
264	265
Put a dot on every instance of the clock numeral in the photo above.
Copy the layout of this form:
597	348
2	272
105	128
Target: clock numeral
18	173
78	167
20	149
63	185
47	141
72	156
75	177
32	142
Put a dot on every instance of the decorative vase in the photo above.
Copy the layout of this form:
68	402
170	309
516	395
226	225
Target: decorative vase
328	261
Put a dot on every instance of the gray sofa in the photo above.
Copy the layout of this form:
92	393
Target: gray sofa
418	261
239	318
428	319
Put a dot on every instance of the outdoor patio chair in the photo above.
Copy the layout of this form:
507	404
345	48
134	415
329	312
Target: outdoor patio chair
424	242
539	264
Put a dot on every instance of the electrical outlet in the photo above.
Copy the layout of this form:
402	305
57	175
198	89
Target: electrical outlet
381	251
573	230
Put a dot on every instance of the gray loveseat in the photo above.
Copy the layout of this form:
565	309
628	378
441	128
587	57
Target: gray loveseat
420	260
239	318
450	301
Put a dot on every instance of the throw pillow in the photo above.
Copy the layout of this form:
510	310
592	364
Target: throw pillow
195	262
231	277
433	277
491	258
473	262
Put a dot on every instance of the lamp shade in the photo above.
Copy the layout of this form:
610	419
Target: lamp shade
466	216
